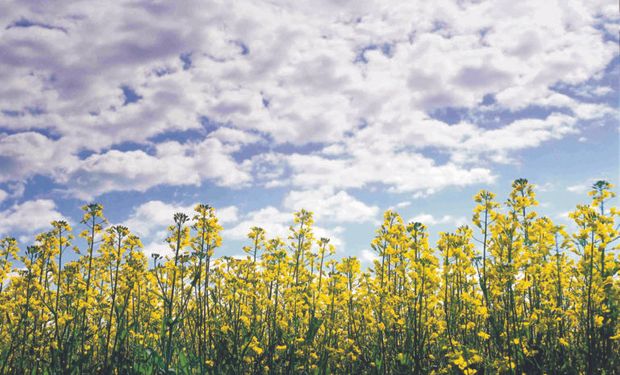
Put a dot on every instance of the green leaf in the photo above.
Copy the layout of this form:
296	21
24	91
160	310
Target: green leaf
313	328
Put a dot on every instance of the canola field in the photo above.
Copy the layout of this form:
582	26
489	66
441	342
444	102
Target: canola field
510	293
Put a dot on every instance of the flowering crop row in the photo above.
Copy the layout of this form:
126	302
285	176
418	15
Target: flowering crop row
512	293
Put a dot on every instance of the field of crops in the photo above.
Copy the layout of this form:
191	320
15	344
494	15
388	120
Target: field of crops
511	293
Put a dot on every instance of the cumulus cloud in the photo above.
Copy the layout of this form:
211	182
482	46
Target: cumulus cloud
359	80
403	204
368	256
277	223
29	217
399	171
172	163
23	155
517	135
234	136
151	219
429	219
583	187
330	206
578	188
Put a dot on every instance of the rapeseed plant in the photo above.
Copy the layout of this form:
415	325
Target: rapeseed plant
513	293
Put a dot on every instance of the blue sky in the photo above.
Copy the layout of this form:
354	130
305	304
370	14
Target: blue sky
345	108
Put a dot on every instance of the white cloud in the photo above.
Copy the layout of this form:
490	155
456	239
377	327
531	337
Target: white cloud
546	187
400	205
158	214
398	171
151	219
564	219
583	187
578	188
229	214
276	223
403	204
563	216
29	153
429	219
368	256
29	217
153	216
234	136
602	90
16	189
291	74
3	195
331	206
517	135
172	164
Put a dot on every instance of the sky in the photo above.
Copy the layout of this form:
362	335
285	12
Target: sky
260	108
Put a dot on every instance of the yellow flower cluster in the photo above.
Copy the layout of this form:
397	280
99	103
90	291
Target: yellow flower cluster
513	293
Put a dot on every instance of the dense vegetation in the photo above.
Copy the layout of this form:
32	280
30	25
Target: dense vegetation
513	293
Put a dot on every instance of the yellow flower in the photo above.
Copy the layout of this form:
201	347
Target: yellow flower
460	362
598	321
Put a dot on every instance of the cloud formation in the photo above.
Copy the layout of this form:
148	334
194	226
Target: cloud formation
151	219
342	95
28	217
